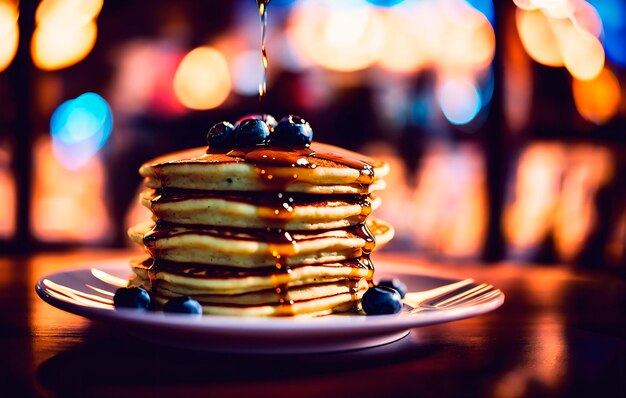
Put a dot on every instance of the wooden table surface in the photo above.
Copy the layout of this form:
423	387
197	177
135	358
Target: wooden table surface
561	332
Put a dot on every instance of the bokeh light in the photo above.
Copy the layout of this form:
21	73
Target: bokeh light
282	3
247	72
343	37
66	32
9	34
202	80
537	37
54	48
69	203
598	99
403	50
385	3
81	11
7	193
485	7
613	14
412	36
585	17
462	39
583	54
525	4
460	100
562	33
79	128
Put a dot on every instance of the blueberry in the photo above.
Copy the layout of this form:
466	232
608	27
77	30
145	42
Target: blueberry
395	284
379	300
293	131
183	305
266	117
221	136
131	297
251	132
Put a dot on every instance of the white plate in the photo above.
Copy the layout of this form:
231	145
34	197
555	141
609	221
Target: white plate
89	292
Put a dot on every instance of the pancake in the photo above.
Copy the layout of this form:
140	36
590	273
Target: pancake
290	211
255	248
322	169
195	279
306	300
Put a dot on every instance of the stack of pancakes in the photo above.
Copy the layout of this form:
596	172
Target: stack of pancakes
263	231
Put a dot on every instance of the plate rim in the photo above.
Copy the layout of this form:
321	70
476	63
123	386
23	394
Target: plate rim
338	324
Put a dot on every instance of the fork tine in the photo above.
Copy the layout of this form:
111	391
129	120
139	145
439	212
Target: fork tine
412	298
466	298
486	296
462	295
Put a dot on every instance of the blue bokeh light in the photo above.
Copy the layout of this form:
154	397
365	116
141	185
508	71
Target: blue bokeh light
613	15
460	101
612	12
281	3
488	87
79	128
385	3
486	8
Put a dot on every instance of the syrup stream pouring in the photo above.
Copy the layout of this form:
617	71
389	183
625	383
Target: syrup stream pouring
263	84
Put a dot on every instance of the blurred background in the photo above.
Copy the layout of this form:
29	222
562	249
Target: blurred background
504	121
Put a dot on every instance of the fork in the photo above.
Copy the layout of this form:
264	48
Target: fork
454	295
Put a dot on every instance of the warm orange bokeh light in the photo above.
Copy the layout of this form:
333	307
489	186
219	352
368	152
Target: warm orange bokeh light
67	205
529	216
80	11
202	80
452	36
562	33
586	18
518	77
537	37
555	189
65	34
449	206
583	54
465	40
525	4
9	34
403	50
342	39
53	48
7	195
598	99
588	169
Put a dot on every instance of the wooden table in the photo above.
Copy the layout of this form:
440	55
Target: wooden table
561	332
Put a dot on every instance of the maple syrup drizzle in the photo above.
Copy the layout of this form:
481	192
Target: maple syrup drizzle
281	239
358	269
282	277
263	84
282	246
364	233
278	166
